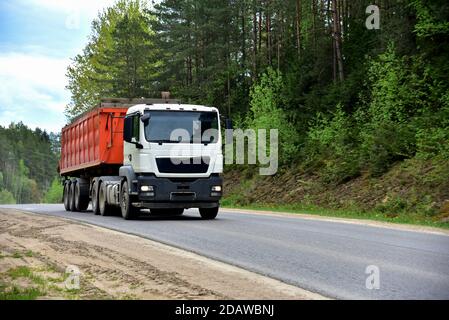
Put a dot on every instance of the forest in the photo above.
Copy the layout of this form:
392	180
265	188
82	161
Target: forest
28	165
357	89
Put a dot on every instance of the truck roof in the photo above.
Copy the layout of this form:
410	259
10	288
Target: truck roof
140	104
170	106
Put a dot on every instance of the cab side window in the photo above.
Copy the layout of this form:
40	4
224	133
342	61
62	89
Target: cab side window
136	126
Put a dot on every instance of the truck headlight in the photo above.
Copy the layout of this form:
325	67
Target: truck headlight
216	188
146	188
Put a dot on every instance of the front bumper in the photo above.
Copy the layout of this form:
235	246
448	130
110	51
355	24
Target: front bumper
179	192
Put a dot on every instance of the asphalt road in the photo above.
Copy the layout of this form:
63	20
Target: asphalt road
325	257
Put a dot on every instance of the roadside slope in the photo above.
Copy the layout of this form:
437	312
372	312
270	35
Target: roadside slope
411	192
35	251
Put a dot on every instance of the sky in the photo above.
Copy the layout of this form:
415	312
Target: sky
37	40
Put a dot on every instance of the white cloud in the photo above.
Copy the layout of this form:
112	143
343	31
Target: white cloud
32	77
32	90
85	7
88	8
32	74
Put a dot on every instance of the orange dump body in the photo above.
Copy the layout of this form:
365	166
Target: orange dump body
93	142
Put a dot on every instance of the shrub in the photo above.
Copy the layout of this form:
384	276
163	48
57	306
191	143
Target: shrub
332	142
54	193
267	113
386	132
6	197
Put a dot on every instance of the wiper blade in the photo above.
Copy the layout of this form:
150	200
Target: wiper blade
164	141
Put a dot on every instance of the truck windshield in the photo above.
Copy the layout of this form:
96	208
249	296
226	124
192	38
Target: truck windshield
182	126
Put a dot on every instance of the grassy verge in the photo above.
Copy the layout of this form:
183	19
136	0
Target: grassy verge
27	282
17	293
298	208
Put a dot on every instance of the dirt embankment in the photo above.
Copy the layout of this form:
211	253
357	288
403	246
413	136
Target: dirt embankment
409	186
35	251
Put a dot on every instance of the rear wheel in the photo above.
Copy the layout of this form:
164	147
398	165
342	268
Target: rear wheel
95	207
102	203
66	195
81	195
209	213
128	211
72	196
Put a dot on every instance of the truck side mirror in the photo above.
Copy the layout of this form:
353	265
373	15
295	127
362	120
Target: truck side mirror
228	123
128	129
145	118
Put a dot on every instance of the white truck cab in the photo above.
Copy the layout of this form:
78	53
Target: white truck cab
172	159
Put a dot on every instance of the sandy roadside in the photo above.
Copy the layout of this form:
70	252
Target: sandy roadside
35	251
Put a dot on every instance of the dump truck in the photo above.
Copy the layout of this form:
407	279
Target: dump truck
125	155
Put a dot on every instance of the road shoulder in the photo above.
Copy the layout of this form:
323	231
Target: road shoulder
371	223
35	251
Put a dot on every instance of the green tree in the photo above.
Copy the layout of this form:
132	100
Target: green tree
119	60
6	197
266	113
54	193
28	162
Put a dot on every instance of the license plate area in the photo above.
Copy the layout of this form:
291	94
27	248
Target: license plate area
182	196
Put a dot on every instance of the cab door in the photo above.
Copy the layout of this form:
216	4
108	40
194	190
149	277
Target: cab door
132	144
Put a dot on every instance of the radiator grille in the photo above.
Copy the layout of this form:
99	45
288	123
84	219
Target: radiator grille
188	165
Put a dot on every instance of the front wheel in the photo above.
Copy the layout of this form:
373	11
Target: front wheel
208	213
128	211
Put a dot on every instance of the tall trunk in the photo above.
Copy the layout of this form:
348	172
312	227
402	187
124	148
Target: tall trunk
260	29
243	37
334	62
314	15
268	26
254	40
280	33
298	26
190	76
228	88
337	38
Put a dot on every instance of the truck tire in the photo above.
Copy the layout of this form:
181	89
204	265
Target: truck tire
103	206
81	195
128	211
66	195
72	196
208	213
95	207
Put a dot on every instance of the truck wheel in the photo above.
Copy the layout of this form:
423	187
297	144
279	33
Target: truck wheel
81	196
66	195
208	213
95	207
128	211
102	203
72	196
